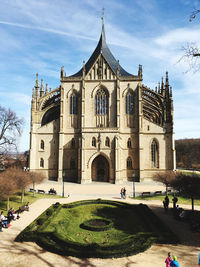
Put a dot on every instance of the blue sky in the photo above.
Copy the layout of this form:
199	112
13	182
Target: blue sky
41	36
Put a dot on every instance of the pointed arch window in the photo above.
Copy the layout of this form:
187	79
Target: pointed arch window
107	142
42	145
101	102
129	163
129	103
73	143
42	163
94	141
129	143
73	104
154	154
101	108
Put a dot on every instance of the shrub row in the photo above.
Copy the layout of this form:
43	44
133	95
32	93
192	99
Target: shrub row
69	248
30	232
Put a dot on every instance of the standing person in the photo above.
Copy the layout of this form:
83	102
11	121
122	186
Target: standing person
174	262
175	200
166	203
168	260
122	193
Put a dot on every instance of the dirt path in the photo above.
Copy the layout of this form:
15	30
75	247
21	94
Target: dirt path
30	255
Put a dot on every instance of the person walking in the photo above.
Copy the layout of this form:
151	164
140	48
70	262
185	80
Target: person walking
166	202
175	200
122	193
174	262
168	260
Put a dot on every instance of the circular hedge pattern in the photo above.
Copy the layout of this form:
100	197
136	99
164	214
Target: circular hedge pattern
97	225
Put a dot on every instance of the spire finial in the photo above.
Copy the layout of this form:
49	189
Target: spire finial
103	31
167	79
102	18
36	81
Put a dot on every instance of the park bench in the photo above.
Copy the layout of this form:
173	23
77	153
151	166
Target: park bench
146	193
52	192
41	191
158	193
32	190
23	208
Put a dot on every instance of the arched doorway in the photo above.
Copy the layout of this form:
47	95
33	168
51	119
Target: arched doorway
100	169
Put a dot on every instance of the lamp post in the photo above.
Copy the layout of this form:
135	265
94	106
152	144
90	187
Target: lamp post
133	177
63	190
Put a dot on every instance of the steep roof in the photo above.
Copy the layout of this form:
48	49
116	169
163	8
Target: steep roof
103	49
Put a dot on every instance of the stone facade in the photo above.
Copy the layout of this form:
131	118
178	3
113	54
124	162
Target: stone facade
101	124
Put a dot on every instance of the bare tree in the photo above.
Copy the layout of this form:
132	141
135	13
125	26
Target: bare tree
187	186
191	52
22	180
194	14
36	178
165	177
191	55
10	129
8	185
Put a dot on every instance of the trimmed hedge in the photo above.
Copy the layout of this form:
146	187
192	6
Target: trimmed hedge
134	243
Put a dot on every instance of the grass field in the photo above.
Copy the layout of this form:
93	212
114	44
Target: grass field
15	200
181	200
134	229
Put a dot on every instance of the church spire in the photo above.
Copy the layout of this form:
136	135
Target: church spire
103	30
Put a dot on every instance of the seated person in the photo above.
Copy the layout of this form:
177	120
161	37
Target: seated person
52	191
1	226
24	207
4	220
12	215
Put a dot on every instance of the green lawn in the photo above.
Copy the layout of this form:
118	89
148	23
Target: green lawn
181	200
15	200
134	229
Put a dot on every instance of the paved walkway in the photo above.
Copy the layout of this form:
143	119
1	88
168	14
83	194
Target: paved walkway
28	254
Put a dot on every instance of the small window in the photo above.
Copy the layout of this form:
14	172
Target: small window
73	143
72	164
129	103
107	142
129	163
154	154
73	104
94	141
42	163
42	145
129	143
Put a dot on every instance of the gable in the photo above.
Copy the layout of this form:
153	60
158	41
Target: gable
100	70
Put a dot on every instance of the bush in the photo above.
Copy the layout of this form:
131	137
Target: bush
49	212
40	221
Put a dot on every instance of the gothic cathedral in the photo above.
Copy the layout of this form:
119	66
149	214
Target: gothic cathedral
102	124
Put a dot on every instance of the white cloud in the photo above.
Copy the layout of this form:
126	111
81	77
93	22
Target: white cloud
16	97
179	36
